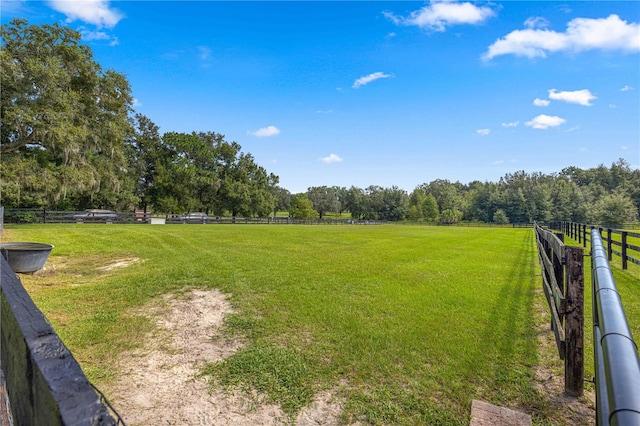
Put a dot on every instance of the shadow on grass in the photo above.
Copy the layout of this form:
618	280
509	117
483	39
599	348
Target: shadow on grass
510	336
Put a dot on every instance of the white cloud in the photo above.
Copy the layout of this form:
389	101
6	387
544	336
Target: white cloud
580	97
483	132
369	78
89	35
511	124
626	88
611	33
265	132
136	102
204	52
96	12
564	8
332	158
541	102
440	14
536	22
544	121
324	111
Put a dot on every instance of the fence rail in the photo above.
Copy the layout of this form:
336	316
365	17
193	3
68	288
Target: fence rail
624	244
563	285
617	365
44	383
24	216
34	216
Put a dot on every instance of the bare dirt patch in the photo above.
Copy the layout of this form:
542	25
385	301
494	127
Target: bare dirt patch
159	384
119	263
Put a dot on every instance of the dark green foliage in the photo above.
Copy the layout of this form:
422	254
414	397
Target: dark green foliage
302	208
64	122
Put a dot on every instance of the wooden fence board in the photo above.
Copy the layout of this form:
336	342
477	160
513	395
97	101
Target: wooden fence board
563	285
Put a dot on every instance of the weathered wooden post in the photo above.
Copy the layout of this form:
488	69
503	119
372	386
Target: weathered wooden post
624	250
574	321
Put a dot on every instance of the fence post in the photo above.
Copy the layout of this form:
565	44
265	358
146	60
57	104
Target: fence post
624	250
578	233
574	321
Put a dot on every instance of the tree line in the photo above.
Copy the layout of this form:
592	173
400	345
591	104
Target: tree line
604	195
70	140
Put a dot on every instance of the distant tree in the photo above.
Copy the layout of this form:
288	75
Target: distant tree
500	217
143	149
64	119
567	201
283	199
302	208
374	202
485	199
450	216
324	199
247	188
203	172
394	204
614	210
354	202
193	179
430	209
448	195
417	201
341	195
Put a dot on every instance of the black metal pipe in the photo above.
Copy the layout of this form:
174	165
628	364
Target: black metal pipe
602	399
616	352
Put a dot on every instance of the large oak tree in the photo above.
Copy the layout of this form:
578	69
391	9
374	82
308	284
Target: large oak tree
64	120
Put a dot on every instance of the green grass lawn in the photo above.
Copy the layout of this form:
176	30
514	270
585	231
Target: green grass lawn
412	322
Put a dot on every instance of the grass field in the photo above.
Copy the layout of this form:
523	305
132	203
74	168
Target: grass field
413	322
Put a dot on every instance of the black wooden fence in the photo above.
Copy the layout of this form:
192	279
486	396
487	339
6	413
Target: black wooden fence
34	216
44	383
624	244
563	284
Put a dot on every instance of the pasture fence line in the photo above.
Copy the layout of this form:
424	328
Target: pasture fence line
563	285
622	243
617	367
36	216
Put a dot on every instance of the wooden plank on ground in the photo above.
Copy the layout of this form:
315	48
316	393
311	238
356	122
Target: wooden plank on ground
485	414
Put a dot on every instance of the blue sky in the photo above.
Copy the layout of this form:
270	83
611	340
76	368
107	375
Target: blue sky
379	93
